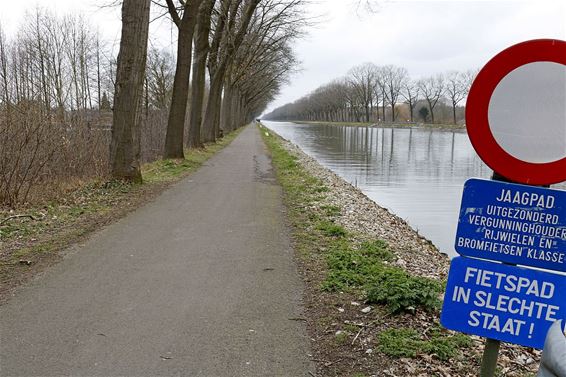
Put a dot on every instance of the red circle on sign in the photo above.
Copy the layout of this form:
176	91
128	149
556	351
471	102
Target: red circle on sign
477	106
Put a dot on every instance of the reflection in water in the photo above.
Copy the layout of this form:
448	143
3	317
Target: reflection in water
417	173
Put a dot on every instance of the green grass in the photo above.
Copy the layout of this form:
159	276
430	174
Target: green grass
330	229
355	265
313	230
349	267
408	343
331	210
341	338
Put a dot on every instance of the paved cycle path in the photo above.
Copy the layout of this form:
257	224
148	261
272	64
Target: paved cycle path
199	282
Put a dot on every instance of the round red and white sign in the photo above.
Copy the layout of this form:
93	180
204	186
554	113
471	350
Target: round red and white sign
516	112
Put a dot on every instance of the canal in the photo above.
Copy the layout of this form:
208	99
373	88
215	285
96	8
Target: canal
416	173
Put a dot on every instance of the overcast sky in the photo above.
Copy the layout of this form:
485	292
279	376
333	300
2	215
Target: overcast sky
426	37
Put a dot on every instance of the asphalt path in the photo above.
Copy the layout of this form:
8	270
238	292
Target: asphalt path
199	282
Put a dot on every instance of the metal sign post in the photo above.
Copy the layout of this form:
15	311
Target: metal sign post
489	358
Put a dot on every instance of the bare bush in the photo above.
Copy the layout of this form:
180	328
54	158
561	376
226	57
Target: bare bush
41	157
153	128
56	80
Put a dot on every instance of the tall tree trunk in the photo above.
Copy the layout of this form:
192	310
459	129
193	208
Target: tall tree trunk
4	70
199	74
227	112
431	111
454	111
383	108
212	108
130	73
174	138
392	112
42	57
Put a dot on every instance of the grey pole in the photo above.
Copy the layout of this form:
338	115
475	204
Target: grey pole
489	358
491	349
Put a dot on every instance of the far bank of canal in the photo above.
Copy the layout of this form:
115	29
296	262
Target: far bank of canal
417	173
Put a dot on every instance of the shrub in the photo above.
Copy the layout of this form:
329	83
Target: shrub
402	292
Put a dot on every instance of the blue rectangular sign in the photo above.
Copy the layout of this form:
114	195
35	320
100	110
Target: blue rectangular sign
502	302
513	223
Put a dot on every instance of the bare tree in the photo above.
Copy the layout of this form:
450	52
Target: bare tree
432	88
125	145
228	36
393	78
362	78
4	76
50	136
159	78
263	61
456	90
410	92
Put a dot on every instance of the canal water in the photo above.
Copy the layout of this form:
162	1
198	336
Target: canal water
416	173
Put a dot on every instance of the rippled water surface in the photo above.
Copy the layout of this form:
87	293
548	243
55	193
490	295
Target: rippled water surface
416	173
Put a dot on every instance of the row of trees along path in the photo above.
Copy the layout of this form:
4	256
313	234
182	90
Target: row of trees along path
246	46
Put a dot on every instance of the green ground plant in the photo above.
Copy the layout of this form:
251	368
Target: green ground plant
402	292
406	342
329	229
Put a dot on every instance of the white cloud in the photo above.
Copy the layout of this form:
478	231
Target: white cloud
426	37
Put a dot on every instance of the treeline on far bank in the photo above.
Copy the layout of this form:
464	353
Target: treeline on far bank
371	93
59	82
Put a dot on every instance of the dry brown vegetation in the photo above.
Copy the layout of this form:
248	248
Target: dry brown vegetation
56	86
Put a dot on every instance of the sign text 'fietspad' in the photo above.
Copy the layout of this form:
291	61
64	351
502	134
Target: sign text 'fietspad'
502	302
